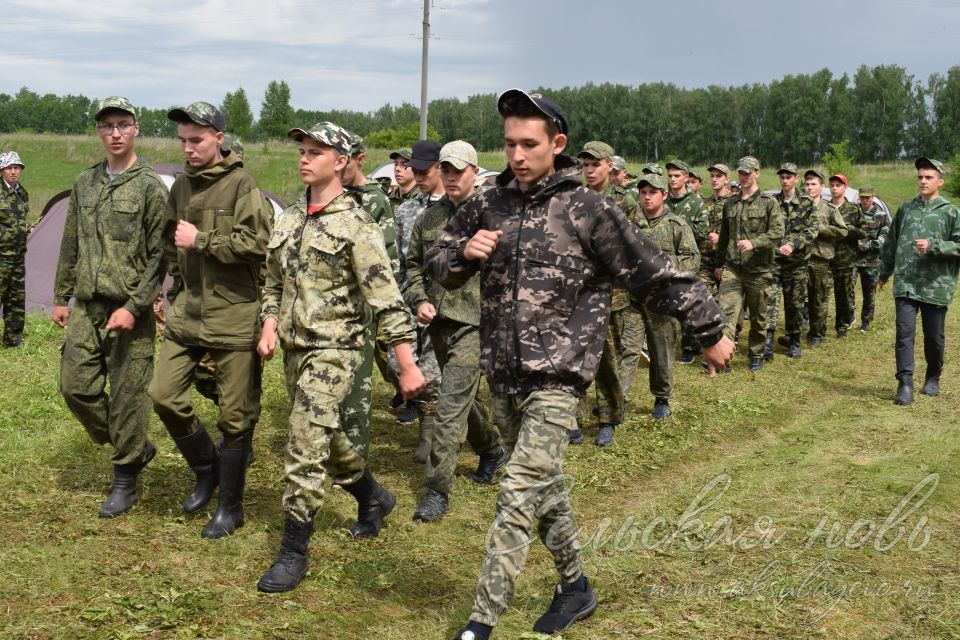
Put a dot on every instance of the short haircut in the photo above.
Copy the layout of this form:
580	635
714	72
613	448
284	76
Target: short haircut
519	107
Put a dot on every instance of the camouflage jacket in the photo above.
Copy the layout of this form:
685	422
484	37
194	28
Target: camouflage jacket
396	198
111	246
689	206
832	230
377	205
713	209
931	278
14	209
406	215
845	251
324	271
675	238
757	219
461	304
215	298
545	290
868	248
800	228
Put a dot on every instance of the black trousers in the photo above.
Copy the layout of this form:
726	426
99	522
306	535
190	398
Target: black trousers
933	318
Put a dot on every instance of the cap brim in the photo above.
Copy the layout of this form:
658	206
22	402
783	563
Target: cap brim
558	118
297	134
590	154
418	164
100	113
395	155
459	163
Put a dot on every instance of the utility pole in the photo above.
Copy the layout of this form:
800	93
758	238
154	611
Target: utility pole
423	70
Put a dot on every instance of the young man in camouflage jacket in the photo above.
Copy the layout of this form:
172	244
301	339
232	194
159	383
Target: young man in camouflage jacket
14	209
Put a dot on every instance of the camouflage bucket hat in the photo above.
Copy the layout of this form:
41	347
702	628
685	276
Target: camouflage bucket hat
201	113
867	190
788	167
722	168
619	164
652	167
9	159
679	164
654	180
325	133
404	153
597	150
460	154
748	164
929	163
114	103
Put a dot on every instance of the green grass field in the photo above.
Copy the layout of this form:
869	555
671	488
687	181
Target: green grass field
824	511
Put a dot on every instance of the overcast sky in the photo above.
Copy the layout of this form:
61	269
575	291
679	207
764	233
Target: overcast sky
362	54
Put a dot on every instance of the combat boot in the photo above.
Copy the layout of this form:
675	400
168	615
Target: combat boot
661	409
425	444
291	565
123	491
793	350
432	507
233	473
905	390
199	452
768	345
488	466
373	504
604	437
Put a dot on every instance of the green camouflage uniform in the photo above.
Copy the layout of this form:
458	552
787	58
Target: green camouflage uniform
832	230
689	206
455	335
801	226
396	198
14	209
326	272
747	275
713	208
841	267
867	264
111	257
673	235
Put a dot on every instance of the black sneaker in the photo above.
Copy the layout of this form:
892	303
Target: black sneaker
604	437
14	340
842	332
396	403
661	409
569	605
864	327
432	507
576	436
687	357
410	414
814	342
756	364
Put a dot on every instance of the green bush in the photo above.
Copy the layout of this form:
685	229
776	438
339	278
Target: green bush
838	160
952	183
399	138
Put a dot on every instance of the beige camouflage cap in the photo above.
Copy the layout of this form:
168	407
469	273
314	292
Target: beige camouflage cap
654	180
722	168
748	164
201	113
679	164
652	167
114	103
460	154
788	167
325	133
929	163
596	149
867	190
619	164
10	158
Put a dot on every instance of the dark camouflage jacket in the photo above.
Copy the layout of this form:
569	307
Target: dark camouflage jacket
845	251
801	226
757	219
545	290
14	209
111	245
461	304
868	249
931	278
689	206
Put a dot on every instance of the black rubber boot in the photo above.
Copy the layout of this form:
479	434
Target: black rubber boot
905	390
123	491
373	504
229	514
199	452
291	565
768	345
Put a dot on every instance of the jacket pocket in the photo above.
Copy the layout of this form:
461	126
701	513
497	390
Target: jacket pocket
236	283
122	221
326	256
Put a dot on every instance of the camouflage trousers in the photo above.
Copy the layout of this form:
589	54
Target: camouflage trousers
662	331
842	294
608	383
744	290
536	431
819	289
317	380
12	292
869	277
460	411
793	284
238	383
355	408
633	341
774	293
92	357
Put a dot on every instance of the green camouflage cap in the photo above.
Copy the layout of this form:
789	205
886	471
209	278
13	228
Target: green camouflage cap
815	172
404	153
117	103
655	180
325	133
722	168
929	163
201	113
459	154
788	167
679	164
233	144
694	174
10	158
597	149
748	163
619	164
867	190
356	144
652	167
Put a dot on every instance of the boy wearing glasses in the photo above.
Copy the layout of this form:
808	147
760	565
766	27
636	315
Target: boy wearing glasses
111	263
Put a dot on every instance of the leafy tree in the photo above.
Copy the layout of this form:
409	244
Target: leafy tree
837	159
237	113
276	114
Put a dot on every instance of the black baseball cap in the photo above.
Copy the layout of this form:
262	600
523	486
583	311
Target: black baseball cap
546	106
424	154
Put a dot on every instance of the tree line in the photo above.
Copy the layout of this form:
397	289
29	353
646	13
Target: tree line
883	112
